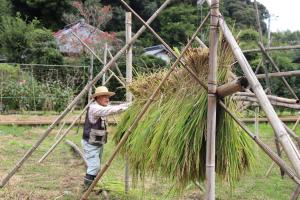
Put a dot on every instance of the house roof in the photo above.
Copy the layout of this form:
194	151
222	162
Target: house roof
91	35
153	50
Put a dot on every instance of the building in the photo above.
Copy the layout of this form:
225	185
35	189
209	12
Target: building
159	51
70	45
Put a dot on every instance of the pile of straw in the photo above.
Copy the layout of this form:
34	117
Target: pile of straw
170	140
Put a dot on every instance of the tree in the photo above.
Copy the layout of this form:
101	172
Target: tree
48	12
25	43
5	8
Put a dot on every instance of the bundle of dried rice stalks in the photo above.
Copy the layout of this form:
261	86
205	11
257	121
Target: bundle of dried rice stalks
170	140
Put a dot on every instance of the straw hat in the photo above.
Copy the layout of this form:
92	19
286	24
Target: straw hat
102	91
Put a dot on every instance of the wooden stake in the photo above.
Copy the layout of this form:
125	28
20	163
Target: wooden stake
78	97
232	87
64	134
128	23
138	118
296	193
284	139
212	102
263	146
277	69
77	150
273	48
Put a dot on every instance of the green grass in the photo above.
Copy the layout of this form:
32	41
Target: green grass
62	172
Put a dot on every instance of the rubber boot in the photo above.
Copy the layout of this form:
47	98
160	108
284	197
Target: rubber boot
88	180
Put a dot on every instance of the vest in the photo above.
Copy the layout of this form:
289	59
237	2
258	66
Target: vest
95	134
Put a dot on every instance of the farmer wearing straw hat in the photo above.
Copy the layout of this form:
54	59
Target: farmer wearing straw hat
95	131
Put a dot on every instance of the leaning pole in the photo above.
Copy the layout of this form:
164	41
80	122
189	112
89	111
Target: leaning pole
78	97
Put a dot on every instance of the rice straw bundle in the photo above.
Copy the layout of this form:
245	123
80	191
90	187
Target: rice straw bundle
171	138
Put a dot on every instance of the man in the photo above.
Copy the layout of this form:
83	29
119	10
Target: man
95	131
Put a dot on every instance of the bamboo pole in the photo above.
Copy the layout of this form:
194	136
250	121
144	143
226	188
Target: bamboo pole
270	97
280	74
78	97
273	48
261	40
296	124
77	150
296	193
263	146
230	88
200	42
128	24
212	102
277	69
104	63
64	134
138	118
91	69
116	66
256	123
163	42
279	129
258	22
274	103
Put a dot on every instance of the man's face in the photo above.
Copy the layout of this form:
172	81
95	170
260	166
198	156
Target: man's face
102	100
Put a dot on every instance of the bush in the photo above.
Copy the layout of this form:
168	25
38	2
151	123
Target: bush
25	43
26	95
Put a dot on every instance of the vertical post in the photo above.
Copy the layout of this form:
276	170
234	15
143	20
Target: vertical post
104	62
128	25
91	69
212	101
256	125
261	40
283	137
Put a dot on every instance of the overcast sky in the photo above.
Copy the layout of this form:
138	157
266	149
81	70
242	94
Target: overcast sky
288	12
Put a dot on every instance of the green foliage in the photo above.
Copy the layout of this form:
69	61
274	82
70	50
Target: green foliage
180	20
9	72
49	13
25	43
5	8
242	13
43	48
29	94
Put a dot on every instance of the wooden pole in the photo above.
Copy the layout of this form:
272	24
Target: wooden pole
273	49
261	40
104	62
138	118
274	103
164	43
64	134
237	85
256	124
284	139
128	23
116	66
270	97
277	69
118	79
77	150
212	101
91	69
280	74
78	97
296	193
263	146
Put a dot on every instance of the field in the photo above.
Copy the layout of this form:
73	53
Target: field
60	176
